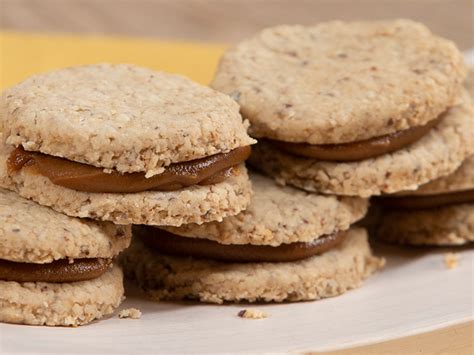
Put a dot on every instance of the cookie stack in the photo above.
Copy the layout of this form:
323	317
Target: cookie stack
115	145
288	245
342	111
440	212
54	269
350	110
357	109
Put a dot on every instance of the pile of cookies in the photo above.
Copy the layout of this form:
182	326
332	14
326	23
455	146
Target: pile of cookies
341	111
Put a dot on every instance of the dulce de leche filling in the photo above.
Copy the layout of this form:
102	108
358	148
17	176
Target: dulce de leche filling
413	202
56	271
359	150
87	178
168	243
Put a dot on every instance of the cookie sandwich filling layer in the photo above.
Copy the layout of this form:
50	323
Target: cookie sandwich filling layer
82	177
58	271
171	244
359	150
415	202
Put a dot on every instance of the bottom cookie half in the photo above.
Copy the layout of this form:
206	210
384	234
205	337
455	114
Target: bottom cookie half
443	226
61	304
165	277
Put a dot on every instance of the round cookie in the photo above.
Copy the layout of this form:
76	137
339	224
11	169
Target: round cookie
35	234
278	215
195	204
437	154
121	117
61	304
462	179
165	277
443	226
340	82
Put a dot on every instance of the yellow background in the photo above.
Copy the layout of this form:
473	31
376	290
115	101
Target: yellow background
22	55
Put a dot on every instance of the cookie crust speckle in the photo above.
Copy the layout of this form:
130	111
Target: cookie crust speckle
37	234
132	313
121	117
332	273
61	304
341	82
437	154
278	215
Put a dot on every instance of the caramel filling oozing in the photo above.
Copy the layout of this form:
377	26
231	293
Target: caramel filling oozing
56	271
168	243
359	150
413	202
87	178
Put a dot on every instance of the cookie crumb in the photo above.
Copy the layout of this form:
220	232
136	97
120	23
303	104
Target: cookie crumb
252	314
451	260
132	313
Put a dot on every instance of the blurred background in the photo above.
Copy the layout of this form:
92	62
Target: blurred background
224	21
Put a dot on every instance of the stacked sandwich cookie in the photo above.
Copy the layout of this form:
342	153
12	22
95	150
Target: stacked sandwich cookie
110	144
125	144
56	270
440	212
288	245
360	108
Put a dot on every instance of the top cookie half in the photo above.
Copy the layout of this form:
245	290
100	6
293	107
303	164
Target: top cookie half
341	82
121	117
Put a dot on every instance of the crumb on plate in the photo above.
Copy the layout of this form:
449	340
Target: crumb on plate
132	313
451	260
252	314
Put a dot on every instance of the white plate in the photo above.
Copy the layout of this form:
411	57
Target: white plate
415	293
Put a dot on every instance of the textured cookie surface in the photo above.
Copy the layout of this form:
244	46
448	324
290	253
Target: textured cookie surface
341	82
334	272
437	154
450	225
278	215
121	116
37	234
461	179
196	204
66	304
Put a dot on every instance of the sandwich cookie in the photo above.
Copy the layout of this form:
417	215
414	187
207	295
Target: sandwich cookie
56	270
288	245
359	108
438	213
125	144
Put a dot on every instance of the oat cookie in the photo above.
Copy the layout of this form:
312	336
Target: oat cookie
36	234
449	225
121	117
125	144
61	304
330	274
461	179
278	215
340	82
437	154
